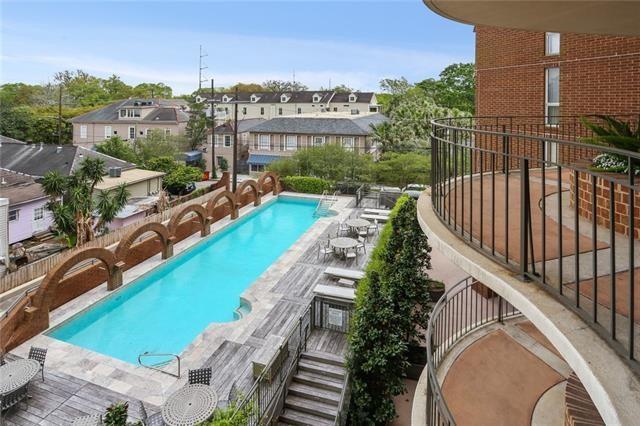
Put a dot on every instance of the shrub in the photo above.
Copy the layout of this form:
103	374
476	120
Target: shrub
116	414
349	187
306	184
161	164
177	181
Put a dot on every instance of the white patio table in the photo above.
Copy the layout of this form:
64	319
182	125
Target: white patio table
190	405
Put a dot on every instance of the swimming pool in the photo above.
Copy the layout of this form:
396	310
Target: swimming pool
164	310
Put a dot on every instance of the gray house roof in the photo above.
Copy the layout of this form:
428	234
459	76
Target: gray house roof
38	159
7	139
243	125
162	111
357	126
300	97
19	188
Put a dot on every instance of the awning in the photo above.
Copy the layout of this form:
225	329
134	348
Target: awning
192	155
262	159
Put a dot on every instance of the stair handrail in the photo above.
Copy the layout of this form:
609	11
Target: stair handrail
343	404
155	367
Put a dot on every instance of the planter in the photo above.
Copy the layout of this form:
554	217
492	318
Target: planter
417	356
436	291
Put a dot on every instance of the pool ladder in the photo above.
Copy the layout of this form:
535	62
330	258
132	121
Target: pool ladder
325	204
157	366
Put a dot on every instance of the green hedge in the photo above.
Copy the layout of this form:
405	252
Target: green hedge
306	184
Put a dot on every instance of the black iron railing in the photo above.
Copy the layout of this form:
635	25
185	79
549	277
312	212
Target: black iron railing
465	307
526	195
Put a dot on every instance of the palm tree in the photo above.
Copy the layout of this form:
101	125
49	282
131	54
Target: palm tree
74	201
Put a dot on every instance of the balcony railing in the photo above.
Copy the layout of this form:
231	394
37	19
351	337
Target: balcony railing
464	308
525	194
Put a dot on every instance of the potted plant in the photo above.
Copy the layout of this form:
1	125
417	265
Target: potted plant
615	133
436	290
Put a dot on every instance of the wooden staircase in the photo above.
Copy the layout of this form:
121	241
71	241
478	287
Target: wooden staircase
314	394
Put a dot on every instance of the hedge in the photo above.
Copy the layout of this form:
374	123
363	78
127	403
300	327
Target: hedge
306	184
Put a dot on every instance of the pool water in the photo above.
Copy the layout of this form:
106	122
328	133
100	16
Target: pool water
164	310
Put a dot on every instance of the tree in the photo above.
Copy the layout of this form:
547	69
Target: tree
118	148
116	88
176	182
402	169
395	86
283	86
455	88
156	144
161	164
246	88
196	130
74	201
152	90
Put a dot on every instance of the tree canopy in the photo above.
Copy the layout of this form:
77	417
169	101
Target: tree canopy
283	86
454	89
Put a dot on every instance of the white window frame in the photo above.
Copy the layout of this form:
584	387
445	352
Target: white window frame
83	131
352	98
315	142
167	132
218	140
136	113
225	99
107	132
261	141
291	143
123	113
316	99
284	99
134	132
227	138
254	99
15	213
547	103
38	213
351	146
549	46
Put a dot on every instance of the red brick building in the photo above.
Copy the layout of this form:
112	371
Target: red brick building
597	74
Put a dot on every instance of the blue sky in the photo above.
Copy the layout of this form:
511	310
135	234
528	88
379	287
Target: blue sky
353	43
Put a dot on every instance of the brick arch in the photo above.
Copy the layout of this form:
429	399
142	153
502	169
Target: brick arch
44	296
201	212
230	196
122	251
273	177
255	188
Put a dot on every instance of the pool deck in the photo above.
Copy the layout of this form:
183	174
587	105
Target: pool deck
277	298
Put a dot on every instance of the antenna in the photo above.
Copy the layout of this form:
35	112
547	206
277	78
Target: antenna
200	68
294	75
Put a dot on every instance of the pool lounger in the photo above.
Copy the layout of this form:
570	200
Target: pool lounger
344	273
378	217
381	212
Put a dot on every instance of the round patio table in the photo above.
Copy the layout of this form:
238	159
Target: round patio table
16	374
343	243
190	405
358	223
91	420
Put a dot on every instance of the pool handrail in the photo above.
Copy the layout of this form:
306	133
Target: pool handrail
155	367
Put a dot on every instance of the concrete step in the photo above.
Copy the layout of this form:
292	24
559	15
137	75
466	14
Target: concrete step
297	418
322	368
313	393
309	406
324	357
319	381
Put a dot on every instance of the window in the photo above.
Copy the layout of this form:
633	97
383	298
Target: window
291	143
335	109
132	132
83	132
284	98
167	132
265	142
254	99
218	139
244	110
552	44
123	113
38	213
257	167
261	110
347	143
352	98
136	113
299	110
14	215
225	99
318	140
227	140
279	111
316	98
552	96
107	132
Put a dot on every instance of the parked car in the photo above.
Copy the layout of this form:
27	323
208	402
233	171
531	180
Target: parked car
414	190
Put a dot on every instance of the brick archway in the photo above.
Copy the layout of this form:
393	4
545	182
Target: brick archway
201	213
230	196
254	188
273	177
159	229
43	297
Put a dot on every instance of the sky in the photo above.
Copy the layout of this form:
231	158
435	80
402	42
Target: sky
324	42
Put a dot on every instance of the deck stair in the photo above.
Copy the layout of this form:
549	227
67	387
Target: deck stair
324	205
314	394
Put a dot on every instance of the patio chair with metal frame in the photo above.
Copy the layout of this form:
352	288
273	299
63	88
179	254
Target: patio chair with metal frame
40	355
150	420
11	399
200	376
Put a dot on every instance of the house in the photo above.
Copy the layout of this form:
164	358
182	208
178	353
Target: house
548	315
283	136
269	105
27	213
130	119
224	134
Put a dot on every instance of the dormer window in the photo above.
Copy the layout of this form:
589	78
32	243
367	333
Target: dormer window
316	98
284	98
225	99
352	98
254	99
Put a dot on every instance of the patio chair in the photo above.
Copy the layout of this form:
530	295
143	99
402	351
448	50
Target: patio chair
343	228
2	361
350	254
200	376
373	228
152	420
10	399
361	245
38	354
324	250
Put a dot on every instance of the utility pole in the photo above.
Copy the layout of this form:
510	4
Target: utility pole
213	133
235	143
60	114
200	68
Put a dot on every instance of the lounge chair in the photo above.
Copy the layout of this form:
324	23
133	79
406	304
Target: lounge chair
377	217
344	273
381	212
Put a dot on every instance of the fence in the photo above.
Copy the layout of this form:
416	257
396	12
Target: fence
40	267
500	185
461	310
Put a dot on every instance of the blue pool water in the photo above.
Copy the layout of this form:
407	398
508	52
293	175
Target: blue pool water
164	310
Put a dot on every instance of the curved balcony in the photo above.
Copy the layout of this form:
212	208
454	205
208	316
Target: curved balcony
512	203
